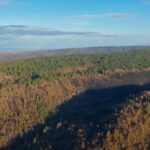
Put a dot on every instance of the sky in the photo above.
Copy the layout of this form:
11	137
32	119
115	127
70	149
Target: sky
55	24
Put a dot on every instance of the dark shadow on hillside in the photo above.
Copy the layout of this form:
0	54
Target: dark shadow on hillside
77	121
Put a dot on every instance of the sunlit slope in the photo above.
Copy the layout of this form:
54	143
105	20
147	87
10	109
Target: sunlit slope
132	129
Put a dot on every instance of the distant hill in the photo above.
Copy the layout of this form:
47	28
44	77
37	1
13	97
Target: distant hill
15	55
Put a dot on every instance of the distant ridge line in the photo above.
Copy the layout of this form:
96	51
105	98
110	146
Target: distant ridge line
9	55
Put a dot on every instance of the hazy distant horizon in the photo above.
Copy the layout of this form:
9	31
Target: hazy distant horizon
49	49
69	48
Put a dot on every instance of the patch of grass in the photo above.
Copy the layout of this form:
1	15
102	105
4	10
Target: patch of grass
42	110
148	107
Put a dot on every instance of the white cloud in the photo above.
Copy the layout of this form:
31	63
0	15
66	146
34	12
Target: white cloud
85	16
118	15
15	31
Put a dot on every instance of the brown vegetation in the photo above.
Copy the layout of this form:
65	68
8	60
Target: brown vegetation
132	130
75	69
24	106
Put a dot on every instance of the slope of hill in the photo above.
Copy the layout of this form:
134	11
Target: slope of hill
132	128
71	102
75	112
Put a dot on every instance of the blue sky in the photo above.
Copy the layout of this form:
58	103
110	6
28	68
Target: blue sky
52	24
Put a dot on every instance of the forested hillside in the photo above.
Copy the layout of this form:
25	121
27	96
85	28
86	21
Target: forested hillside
48	68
